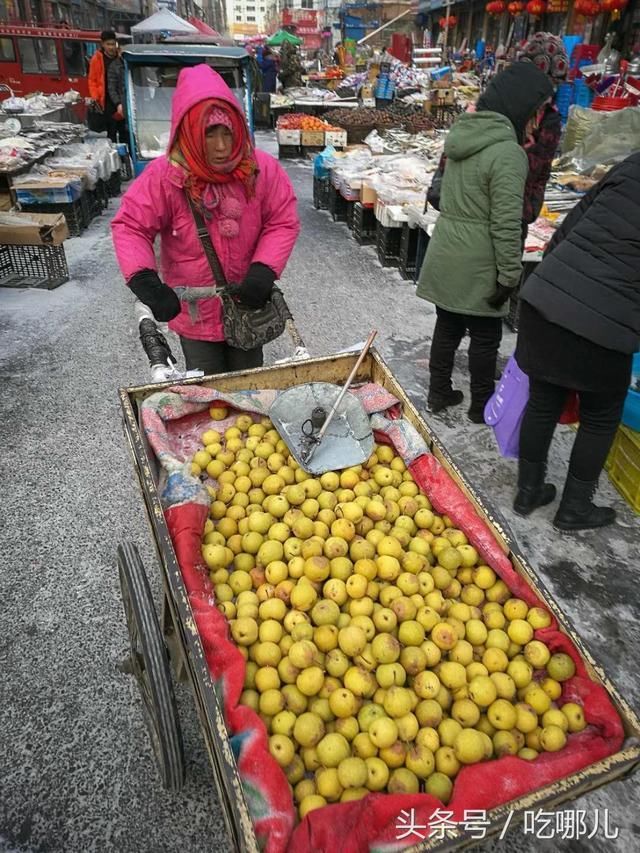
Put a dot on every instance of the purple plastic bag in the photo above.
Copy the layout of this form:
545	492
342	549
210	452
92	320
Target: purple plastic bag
505	410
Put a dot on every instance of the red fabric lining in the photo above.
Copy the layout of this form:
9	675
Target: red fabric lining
357	826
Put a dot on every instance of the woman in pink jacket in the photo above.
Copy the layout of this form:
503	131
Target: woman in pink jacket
249	207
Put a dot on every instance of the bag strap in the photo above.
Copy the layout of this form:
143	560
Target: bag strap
207	245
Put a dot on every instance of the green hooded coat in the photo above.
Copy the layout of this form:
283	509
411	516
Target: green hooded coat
477	241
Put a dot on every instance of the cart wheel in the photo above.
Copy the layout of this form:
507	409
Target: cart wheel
149	663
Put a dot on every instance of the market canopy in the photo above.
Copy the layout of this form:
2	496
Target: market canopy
162	22
203	27
281	37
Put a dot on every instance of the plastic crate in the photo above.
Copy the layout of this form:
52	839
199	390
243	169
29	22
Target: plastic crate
113	184
337	205
75	212
126	167
33	266
564	99
364	224
623	465
103	193
350	214
321	190
582	94
288	152
388	245
631	411
96	204
408	252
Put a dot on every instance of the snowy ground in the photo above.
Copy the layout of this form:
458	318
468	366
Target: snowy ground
76	771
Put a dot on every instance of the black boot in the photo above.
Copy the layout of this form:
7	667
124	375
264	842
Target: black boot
532	489
577	511
476	412
438	402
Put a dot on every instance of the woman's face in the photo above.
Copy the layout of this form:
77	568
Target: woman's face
219	142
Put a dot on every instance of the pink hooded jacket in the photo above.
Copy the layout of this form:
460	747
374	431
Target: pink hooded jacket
155	204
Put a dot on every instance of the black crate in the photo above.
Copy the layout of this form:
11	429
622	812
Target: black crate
337	205
287	152
33	266
75	212
85	209
321	188
408	252
126	167
364	224
102	193
388	245
350	214
96	205
113	183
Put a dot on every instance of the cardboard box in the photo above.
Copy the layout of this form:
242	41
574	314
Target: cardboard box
5	201
289	137
368	195
337	138
312	138
33	229
51	192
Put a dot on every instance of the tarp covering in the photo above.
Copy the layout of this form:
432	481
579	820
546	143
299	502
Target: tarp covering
161	22
173	420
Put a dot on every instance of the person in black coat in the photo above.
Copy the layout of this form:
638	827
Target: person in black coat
579	328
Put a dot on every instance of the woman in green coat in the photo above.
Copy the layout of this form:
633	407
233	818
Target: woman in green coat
473	261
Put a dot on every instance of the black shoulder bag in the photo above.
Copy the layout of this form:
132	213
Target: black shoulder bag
244	328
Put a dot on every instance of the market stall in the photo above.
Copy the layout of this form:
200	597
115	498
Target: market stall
54	179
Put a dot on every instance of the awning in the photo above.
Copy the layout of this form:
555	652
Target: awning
161	22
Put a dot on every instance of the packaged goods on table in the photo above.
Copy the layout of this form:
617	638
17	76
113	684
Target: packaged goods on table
527	712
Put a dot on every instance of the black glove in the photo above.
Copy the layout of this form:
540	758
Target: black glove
500	296
255	290
156	295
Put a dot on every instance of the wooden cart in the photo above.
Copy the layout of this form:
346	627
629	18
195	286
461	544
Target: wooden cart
174	637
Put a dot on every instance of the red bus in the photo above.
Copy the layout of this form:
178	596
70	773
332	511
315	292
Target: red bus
45	59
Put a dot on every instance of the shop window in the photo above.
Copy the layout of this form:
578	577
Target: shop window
73	57
7	52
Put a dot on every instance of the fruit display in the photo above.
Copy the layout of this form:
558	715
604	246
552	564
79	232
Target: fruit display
381	653
361	117
302	121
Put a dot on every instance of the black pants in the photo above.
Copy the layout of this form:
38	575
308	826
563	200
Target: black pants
599	418
218	357
485	334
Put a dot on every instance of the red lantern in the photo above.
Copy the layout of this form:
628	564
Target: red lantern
448	23
587	8
515	8
496	7
536	8
613	5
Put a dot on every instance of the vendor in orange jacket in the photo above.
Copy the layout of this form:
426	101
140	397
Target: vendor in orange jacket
98	90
